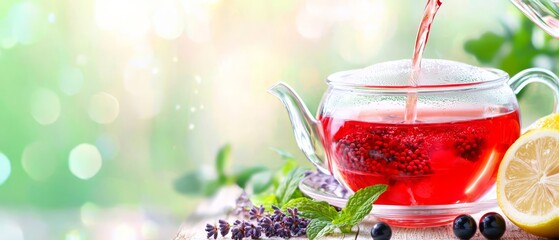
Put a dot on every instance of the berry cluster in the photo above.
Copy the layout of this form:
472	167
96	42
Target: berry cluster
470	147
277	224
384	151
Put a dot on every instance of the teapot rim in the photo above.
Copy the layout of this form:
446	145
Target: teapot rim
501	77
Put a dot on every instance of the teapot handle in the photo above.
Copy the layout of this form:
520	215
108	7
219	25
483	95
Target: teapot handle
523	78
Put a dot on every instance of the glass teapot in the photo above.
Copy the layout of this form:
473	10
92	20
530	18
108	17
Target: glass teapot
545	13
466	118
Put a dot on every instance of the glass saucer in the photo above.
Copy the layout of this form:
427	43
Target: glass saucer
397	215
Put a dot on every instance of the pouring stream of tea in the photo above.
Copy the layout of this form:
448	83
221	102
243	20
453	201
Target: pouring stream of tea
421	40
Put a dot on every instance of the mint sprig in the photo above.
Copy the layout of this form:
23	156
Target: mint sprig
290	185
325	218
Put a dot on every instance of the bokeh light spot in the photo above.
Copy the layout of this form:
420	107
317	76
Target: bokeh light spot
129	18
168	22
45	106
25	22
71	81
5	168
85	161
73	235
89	214
81	59
39	160
11	231
103	108
52	18
150	230
191	126
124	232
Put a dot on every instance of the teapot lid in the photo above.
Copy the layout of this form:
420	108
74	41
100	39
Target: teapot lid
434	72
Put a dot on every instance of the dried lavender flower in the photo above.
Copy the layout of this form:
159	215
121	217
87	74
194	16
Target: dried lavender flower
278	215
224	227
282	230
242	205
253	231
212	231
267	225
256	213
238	231
278	224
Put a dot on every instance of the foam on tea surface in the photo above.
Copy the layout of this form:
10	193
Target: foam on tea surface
433	72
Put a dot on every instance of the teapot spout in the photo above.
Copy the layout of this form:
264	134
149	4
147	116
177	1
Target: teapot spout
305	126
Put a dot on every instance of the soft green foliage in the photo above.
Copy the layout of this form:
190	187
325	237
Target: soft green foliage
318	228
311	209
267	187
283	186
516	48
196	183
520	46
222	161
325	218
290	186
360	205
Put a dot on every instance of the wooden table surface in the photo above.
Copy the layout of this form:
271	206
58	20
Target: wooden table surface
210	211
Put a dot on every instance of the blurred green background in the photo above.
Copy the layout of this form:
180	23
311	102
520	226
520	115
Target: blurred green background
105	103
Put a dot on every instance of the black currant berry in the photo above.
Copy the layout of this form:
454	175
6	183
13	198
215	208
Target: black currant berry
381	231
492	225
464	226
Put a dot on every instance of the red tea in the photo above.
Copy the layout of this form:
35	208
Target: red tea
442	158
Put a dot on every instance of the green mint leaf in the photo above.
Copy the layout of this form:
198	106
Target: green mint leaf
283	154
319	228
222	161
242	177
266	200
260	182
359	205
312	209
289	163
486	47
193	183
289	185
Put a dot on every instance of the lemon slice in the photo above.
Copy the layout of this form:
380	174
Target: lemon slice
528	183
549	121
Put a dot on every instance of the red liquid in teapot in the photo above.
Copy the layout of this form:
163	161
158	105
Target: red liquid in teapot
442	158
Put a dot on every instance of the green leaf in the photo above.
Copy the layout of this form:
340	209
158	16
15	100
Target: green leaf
283	154
359	205
243	176
261	181
193	183
289	185
210	187
266	200
290	162
486	47
190	183
222	160
319	228
312	209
